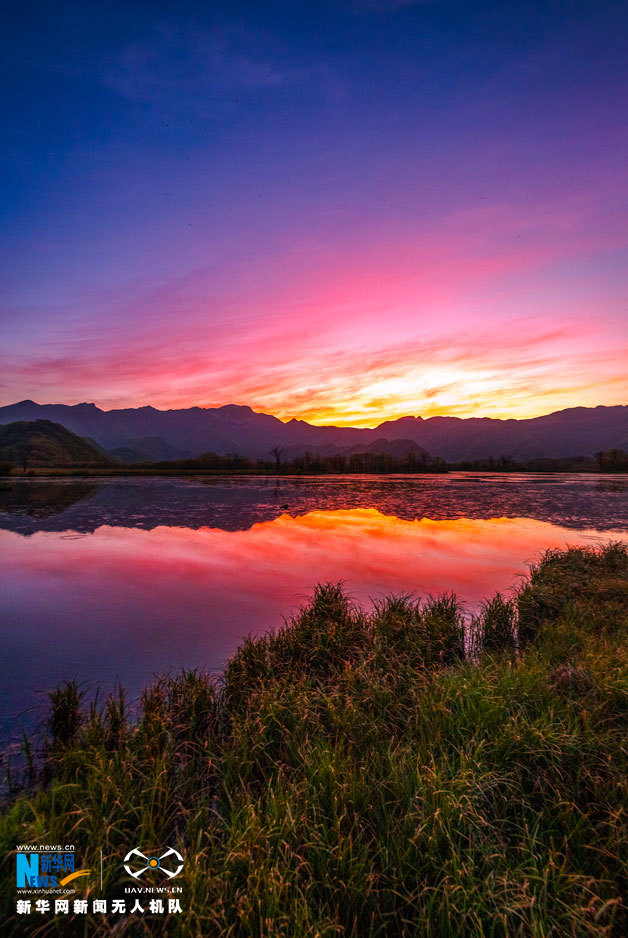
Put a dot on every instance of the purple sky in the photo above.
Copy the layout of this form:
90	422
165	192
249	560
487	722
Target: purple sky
345	212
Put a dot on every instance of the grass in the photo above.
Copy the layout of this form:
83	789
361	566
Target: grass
358	774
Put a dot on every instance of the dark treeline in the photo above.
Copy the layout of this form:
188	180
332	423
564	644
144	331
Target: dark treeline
383	463
614	460
611	461
312	464
541	464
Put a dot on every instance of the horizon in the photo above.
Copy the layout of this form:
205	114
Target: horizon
255	411
343	212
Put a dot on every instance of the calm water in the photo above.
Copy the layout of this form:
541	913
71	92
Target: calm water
128	577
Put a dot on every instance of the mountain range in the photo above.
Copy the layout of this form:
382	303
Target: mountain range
147	434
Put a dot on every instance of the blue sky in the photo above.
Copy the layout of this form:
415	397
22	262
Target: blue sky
342	210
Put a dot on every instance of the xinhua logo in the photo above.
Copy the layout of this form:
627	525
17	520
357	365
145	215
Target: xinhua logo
137	863
46	870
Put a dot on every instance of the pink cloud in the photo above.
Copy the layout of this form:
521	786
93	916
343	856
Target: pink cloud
442	321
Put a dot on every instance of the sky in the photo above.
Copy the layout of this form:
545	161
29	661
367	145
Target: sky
344	211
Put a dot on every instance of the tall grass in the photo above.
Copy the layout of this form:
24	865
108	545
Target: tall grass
355	774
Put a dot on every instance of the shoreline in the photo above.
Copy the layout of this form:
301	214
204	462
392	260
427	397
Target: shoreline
51	473
357	773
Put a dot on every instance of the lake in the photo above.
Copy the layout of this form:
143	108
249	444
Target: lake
121	578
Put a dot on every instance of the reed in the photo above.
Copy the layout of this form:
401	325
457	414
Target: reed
355	774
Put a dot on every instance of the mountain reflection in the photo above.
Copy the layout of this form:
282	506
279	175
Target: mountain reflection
161	574
236	504
40	500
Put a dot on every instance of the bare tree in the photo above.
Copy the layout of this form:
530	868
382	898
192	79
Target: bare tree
277	453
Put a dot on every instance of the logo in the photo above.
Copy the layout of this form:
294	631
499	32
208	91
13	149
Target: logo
45	870
153	862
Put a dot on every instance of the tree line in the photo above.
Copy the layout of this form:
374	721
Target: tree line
310	463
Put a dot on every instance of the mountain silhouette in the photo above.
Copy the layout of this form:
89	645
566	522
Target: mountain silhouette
44	443
136	434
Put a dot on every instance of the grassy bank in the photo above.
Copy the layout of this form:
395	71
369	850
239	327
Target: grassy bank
359	774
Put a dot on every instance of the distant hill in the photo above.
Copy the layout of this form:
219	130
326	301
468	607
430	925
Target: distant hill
41	443
148	449
144	433
396	448
399	449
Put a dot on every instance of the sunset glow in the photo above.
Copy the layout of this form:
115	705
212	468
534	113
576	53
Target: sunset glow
345	216
191	594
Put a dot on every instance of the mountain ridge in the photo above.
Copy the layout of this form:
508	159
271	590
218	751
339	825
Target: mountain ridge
237	428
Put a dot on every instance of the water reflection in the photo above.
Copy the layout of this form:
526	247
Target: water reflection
235	504
42	499
130	579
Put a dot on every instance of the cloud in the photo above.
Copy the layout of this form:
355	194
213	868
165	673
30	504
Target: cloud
458	315
530	368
